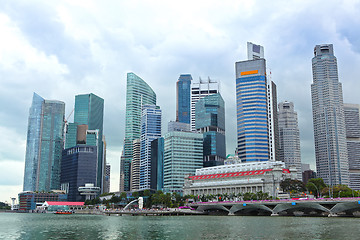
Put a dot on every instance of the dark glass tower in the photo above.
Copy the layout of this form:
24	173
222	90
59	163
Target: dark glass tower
210	120
183	96
44	145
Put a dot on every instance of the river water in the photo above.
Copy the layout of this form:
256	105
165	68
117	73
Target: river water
76	226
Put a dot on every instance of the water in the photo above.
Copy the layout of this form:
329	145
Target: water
51	226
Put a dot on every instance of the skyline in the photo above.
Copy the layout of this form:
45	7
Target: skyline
62	50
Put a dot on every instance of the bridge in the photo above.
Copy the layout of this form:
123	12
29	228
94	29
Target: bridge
287	207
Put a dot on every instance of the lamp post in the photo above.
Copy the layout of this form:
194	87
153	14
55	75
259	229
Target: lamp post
318	192
339	193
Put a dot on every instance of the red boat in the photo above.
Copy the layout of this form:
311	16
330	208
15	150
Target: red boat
63	212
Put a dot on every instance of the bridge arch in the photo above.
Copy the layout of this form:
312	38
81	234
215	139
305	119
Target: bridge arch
250	208
296	206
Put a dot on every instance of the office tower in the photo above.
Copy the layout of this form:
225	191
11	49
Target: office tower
89	115
183	154
352	124
210	121
157	164
150	130
138	93
107	178
44	145
200	89
289	137
252	110
273	122
78	167
135	167
328	118
183	98
178	126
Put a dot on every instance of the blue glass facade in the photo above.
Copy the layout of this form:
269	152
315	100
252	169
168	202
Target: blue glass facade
252	111
150	130
44	145
210	120
183	98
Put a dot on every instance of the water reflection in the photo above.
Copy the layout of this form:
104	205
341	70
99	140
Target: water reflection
50	226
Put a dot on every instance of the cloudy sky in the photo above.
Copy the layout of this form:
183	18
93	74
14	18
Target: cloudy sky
59	49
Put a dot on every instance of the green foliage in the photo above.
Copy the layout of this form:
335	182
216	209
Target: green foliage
339	191
291	185
314	185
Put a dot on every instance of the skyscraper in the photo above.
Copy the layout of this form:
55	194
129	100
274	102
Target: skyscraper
78	167
150	130
352	123
255	93
289	137
88	113
200	89
138	93
44	145
183	154
328	118
210	121
252	111
183	98
135	167
157	164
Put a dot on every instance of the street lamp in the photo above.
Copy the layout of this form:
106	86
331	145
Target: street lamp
339	193
318	192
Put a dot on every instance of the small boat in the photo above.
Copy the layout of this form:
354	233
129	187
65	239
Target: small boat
63	212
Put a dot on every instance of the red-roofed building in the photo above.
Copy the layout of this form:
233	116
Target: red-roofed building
239	178
63	206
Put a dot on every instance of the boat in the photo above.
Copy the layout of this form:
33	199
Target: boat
63	212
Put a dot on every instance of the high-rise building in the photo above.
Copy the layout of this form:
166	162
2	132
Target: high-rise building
135	166
210	121
183	154
157	164
107	178
200	89
289	134
138	93
352	124
89	115
252	111
328	118
44	145
273	122
183	98
78	167
150	130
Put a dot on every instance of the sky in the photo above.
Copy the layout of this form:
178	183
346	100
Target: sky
59	49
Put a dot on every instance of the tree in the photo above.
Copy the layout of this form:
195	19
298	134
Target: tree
292	185
315	184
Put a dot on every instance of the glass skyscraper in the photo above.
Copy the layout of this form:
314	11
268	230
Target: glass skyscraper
289	149
138	93
183	97
44	145
150	130
89	111
328	118
210	121
183	154
252	111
